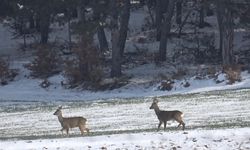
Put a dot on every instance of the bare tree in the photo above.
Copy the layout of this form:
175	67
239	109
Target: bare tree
100	15
102	38
226	29
179	11
125	14
161	6
165	29
118	34
202	14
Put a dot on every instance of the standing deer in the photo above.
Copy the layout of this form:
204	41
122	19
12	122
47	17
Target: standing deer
71	122
165	116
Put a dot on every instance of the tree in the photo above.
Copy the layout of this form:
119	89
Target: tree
161	6
202	14
7	8
100	14
179	11
226	29
118	33
165	30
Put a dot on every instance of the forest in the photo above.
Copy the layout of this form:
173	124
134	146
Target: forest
99	36
124	74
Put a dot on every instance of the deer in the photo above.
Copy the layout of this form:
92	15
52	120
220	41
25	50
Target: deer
164	116
71	122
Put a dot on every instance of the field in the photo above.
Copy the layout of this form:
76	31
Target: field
206	112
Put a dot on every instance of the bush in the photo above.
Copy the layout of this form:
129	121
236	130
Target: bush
6	74
180	74
84	66
233	73
46	62
166	85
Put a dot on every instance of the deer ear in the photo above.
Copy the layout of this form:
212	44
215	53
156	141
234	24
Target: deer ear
155	100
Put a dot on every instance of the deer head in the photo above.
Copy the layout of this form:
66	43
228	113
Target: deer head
154	104
58	112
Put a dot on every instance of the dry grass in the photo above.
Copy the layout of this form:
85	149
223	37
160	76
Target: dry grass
6	74
84	66
46	62
233	73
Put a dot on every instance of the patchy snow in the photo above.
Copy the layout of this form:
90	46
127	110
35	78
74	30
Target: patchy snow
26	109
226	139
24	119
26	88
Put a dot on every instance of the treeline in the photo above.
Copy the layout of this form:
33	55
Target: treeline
87	18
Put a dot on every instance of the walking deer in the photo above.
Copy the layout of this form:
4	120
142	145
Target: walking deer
71	122
165	116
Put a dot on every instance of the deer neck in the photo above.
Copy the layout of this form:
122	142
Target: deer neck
157	110
60	118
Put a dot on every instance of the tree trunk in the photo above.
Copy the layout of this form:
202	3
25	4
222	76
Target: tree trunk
80	13
165	30
151	14
227	52
179	12
37	23
225	21
221	27
44	27
31	22
124	25
202	14
116	56
158	19
69	32
103	43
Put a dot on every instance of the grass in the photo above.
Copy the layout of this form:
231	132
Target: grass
107	133
209	110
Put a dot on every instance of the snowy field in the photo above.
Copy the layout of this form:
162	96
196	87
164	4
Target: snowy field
227	139
217	116
218	119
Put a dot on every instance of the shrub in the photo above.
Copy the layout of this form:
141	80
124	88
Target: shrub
84	66
45	83
46	62
179	74
166	85
233	73
6	74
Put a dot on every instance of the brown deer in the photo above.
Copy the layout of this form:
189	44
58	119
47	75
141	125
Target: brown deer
165	116
71	122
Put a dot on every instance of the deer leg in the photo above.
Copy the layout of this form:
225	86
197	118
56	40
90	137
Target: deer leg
165	123
81	129
87	130
67	131
62	130
183	125
179	125
159	125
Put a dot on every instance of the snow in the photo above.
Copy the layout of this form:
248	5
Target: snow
28	89
225	139
215	120
140	84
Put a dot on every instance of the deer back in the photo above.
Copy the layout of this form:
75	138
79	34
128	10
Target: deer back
73	122
169	115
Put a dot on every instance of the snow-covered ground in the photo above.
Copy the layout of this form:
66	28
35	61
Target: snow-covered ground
218	119
227	139
207	116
